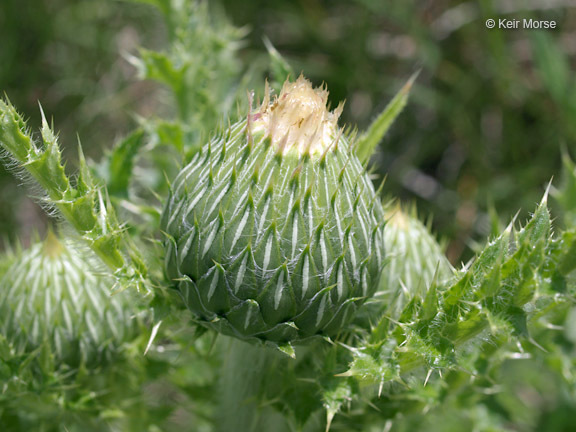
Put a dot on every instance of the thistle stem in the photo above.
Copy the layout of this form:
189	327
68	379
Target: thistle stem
83	205
244	376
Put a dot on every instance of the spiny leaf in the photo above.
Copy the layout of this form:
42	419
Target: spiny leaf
367	142
85	206
287	349
334	399
538	228
495	299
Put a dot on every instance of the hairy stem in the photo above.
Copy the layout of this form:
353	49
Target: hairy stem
83	204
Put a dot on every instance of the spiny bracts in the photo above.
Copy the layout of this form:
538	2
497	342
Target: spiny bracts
52	303
414	260
274	230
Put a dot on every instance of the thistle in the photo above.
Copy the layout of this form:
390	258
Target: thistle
414	260
274	229
51	302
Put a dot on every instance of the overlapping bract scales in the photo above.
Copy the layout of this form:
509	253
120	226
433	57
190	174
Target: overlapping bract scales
414	259
50	300
270	244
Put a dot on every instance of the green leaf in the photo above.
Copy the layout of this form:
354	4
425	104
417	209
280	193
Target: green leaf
334	399
538	228
171	133
279	67
430	304
463	331
160	67
121	163
567	262
566	193
491	284
287	349
367	142
552	66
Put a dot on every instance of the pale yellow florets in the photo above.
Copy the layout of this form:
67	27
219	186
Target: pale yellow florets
298	119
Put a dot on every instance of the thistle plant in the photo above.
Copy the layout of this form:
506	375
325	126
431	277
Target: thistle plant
61	327
84	203
270	239
522	278
274	230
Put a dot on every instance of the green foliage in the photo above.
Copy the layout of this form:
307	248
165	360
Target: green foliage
6	260
367	142
200	43
444	355
120	164
84	205
506	305
435	349
280	70
511	308
66	342
566	194
68	54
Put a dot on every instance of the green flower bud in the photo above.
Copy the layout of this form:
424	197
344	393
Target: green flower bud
274	229
51	302
414	259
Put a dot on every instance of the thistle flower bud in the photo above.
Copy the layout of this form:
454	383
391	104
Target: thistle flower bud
274	229
415	259
51	301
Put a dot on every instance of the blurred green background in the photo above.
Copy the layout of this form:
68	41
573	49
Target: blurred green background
488	117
